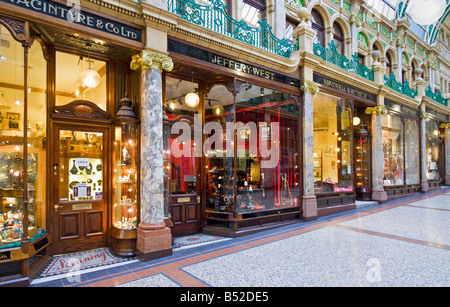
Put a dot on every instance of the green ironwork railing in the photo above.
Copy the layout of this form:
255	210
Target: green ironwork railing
216	18
404	88
331	55
436	96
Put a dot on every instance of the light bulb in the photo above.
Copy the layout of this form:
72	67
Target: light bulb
192	99
90	78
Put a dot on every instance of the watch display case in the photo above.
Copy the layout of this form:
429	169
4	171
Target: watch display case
125	211
362	162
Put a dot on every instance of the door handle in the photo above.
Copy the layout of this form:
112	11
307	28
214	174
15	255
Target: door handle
56	207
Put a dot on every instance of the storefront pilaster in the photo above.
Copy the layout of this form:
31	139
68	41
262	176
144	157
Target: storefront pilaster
154	239
309	89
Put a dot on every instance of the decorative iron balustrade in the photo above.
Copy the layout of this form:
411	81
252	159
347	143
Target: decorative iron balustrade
216	18
331	55
436	96
404	88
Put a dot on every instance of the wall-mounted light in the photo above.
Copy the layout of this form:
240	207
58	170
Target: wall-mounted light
89	77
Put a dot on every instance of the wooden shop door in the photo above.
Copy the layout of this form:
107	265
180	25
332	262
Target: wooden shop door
79	187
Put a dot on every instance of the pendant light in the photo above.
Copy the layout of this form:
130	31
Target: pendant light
425	12
89	77
192	98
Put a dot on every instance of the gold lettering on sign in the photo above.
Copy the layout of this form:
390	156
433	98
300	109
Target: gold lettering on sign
241	67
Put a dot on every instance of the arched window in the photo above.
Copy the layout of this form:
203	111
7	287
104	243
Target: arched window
290	26
338	38
413	71
254	11
319	27
388	65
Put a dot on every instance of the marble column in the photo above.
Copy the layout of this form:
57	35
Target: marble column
378	192
309	202
423	149
154	239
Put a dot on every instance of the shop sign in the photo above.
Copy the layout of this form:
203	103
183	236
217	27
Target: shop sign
438	115
72	13
401	108
343	87
5	256
235	65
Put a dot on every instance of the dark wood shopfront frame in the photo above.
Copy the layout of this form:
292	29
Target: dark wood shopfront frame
234	80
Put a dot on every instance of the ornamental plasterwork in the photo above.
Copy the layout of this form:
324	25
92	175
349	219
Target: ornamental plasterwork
148	59
309	87
379	109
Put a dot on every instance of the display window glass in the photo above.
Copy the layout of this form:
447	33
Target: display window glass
11	140
432	149
219	150
180	165
412	153
261	184
69	85
333	159
393	154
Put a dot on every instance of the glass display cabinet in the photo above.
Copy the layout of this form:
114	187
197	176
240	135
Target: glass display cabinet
125	217
362	163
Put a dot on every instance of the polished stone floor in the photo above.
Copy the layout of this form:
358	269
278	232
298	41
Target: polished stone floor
400	243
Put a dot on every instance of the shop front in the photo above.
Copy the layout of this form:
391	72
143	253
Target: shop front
435	147
401	149
232	157
69	168
342	145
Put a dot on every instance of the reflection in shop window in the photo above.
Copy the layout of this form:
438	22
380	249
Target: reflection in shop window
68	83
392	128
432	151
11	140
332	145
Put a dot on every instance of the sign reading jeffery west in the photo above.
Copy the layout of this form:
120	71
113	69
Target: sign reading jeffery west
75	15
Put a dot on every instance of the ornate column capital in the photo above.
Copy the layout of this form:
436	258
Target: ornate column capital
309	87
379	109
147	59
445	125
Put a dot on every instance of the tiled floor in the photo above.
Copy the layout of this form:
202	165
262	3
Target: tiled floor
400	243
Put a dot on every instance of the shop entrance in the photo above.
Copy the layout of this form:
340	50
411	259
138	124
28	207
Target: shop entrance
79	187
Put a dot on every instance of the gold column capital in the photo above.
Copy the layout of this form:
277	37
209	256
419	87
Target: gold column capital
148	59
309	87
379	109
445	125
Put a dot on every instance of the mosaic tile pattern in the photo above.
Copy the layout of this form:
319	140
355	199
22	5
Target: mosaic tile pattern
414	223
157	280
328	257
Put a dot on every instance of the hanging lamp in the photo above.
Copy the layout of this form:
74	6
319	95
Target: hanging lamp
192	98
89	77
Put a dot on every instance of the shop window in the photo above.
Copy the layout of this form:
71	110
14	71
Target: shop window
319	27
392	128
179	154
266	182
432	151
332	145
412	153
338	38
218	150
69	86
11	140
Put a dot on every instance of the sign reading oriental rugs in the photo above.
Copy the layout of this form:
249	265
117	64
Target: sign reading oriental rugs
343	87
72	13
235	65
